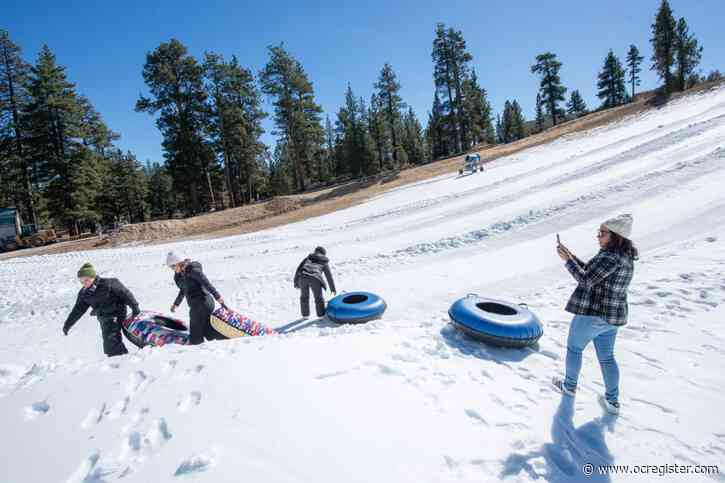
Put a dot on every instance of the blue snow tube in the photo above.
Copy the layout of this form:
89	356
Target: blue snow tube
495	321
355	308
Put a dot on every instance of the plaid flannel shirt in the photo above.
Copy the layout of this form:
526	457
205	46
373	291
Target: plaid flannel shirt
602	286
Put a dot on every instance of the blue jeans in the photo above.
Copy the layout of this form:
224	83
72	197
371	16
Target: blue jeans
583	329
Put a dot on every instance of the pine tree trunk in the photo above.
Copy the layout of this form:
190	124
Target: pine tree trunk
462	129
381	152
456	121
552	101
451	99
225	153
301	156
211	189
391	120
291	145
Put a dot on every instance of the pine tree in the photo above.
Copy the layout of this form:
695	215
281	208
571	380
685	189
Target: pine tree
93	131
83	187
511	124
51	115
460	69
576	106
540	120
330	170
224	124
296	114
378	131
54	127
281	170
125	189
611	86
160	194
633	62
236	124
663	44
261	179
450	72
436	130
687	54
368	147
176	85
348	128
413	140
506	131
388	92
500	135
353	129
551	90
16	162
478	110
714	76
248	150
517	122
443	78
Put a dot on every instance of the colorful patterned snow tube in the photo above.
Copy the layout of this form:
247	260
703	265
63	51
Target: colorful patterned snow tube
232	324
496	322
154	329
355	308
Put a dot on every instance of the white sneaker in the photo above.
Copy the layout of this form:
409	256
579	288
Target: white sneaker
609	406
559	384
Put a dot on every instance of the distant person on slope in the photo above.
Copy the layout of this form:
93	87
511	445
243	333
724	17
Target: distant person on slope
109	298
309	277
600	305
198	291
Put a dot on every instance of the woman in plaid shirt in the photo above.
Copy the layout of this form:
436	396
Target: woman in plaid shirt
599	305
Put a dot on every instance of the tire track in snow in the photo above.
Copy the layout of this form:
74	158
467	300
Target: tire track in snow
663	140
671	141
637	188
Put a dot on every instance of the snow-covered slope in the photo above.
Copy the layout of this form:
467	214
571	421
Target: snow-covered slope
406	398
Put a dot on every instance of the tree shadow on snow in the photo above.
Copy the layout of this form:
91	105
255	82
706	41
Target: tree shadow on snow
569	451
473	347
301	324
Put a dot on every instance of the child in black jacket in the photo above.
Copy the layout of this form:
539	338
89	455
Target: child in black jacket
309	277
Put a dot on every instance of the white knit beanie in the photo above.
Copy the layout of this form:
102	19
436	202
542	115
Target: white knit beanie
173	259
621	225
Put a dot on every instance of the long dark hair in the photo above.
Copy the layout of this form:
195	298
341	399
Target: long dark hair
623	245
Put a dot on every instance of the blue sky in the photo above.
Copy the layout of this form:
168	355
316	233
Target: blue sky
104	44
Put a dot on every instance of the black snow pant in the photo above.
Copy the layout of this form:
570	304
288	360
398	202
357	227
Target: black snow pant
111	333
200	309
307	284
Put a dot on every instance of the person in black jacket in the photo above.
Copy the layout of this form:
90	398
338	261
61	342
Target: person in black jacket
109	298
198	291
309	277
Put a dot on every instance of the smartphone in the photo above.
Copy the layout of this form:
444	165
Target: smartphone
558	242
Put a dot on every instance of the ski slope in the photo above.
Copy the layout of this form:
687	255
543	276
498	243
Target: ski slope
406	398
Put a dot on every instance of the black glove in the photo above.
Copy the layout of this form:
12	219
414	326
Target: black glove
65	329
